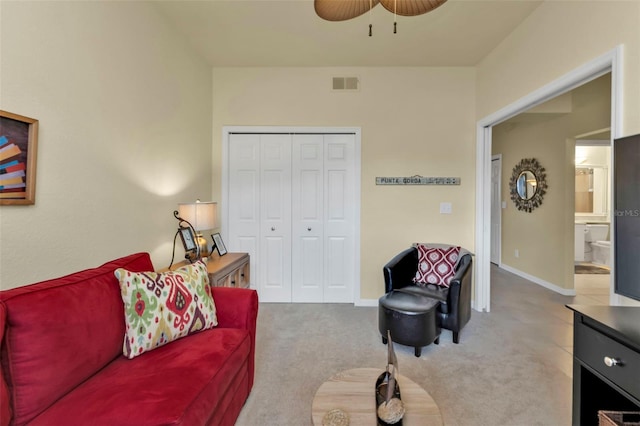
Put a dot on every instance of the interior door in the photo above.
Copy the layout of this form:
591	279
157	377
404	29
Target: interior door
274	268
244	196
308	218
339	212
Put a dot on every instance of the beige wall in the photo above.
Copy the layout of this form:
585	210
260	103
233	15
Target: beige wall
125	117
414	121
545	236
125	129
557	38
539	235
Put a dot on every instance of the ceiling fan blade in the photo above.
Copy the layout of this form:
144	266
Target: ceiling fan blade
410	7
341	10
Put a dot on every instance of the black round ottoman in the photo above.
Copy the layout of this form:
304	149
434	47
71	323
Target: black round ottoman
411	319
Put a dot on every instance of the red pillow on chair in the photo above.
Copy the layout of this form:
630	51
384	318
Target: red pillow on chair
436	265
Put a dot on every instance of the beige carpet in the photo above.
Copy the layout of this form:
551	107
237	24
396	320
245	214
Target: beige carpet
502	372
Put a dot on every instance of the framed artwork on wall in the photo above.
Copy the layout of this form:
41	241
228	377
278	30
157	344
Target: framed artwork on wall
18	152
217	240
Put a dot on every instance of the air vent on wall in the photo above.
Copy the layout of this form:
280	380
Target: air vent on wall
346	83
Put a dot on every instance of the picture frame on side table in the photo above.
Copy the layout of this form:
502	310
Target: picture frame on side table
18	149
188	239
219	244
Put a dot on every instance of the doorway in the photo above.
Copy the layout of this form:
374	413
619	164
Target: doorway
610	62
496	209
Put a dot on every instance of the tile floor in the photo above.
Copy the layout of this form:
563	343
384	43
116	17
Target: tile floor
543	313
592	289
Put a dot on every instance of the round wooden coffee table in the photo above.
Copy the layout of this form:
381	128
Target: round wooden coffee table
352	391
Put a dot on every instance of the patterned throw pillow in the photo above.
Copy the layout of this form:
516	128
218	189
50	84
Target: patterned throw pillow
162	307
436	265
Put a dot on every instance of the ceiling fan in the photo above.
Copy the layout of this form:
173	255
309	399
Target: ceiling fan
341	10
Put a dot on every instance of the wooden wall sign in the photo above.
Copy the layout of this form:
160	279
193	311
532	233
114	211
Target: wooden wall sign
417	180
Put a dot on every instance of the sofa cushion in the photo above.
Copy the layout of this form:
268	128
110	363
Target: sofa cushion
162	307
183	383
5	407
60	332
238	308
436	265
463	251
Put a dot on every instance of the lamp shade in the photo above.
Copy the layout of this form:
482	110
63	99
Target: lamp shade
202	216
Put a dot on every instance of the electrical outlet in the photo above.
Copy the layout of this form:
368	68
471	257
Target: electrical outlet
517	253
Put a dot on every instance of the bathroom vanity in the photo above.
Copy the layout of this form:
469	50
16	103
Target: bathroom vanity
606	361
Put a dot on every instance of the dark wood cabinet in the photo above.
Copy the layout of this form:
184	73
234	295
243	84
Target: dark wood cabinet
606	361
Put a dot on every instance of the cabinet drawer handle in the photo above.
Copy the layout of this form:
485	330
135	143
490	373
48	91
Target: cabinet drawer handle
273	228
242	275
611	362
233	282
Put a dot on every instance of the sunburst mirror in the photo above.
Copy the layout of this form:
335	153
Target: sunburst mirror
528	184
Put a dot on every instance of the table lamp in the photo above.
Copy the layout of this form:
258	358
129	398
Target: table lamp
202	216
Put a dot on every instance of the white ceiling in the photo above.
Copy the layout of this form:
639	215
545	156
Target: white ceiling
288	33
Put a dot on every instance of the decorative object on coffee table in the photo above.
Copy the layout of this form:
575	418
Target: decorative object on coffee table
350	390
335	417
389	407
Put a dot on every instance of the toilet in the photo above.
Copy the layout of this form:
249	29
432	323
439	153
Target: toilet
601	253
597	247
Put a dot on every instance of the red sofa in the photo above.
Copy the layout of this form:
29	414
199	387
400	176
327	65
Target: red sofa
62	362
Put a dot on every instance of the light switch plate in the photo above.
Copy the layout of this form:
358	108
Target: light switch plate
445	208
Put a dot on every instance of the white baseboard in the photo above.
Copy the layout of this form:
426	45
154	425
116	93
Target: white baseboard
366	302
541	282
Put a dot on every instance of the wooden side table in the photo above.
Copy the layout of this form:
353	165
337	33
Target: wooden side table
230	270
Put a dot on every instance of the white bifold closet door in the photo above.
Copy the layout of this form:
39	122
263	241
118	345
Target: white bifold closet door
323	225
260	209
291	207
